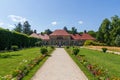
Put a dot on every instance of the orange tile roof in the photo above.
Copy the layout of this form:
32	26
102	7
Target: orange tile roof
86	36
76	36
40	36
34	35
60	33
44	36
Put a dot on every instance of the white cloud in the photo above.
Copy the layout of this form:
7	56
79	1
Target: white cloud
17	18
10	26
1	23
54	23
80	22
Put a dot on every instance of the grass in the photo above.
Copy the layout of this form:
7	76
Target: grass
85	70
16	58
34	70
116	49
111	62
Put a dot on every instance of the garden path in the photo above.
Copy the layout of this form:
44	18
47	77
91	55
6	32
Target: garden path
59	67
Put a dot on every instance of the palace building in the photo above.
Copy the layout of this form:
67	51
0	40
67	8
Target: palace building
63	38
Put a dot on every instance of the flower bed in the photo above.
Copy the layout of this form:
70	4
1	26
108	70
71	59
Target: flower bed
98	71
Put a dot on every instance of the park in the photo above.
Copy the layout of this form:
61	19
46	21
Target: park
59	40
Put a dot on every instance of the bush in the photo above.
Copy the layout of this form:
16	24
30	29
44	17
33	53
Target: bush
5	55
52	47
34	42
75	51
5	39
104	49
14	48
67	47
43	50
94	43
38	43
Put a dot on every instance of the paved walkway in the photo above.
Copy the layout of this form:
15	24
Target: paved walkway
59	67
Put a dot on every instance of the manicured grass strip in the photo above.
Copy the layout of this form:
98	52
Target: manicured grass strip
7	65
34	70
111	62
85	70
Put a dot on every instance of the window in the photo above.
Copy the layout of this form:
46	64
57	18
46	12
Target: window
59	38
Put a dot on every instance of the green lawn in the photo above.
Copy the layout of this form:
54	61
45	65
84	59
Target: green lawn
108	61
7	65
111	62
84	69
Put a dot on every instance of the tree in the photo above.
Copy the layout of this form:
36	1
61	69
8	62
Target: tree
74	30
104	32
48	31
117	40
18	27
65	28
26	28
35	31
92	33
115	28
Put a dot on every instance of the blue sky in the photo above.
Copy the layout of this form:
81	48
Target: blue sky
55	14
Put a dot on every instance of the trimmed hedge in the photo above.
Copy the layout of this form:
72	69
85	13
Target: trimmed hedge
5	39
8	38
93	43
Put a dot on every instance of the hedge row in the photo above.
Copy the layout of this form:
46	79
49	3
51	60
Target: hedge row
8	38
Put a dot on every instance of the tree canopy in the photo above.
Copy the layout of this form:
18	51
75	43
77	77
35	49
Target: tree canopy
108	31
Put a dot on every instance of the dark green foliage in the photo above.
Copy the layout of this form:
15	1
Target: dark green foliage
8	38
34	42
92	33
104	50
38	43
117	40
75	51
67	47
18	27
109	30
48	31
52	47
21	40
74	30
43	50
5	55
14	47
5	39
93	43
104	32
26	28
65	28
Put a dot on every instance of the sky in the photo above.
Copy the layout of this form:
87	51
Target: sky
55	14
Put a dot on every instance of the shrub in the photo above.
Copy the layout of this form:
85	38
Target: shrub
104	49
94	43
5	39
38	43
43	50
75	51
14	47
67	47
52	47
5	55
34	42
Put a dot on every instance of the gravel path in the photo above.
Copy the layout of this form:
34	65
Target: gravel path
59	67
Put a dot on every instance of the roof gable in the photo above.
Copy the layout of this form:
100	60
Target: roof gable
60	33
86	36
44	36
